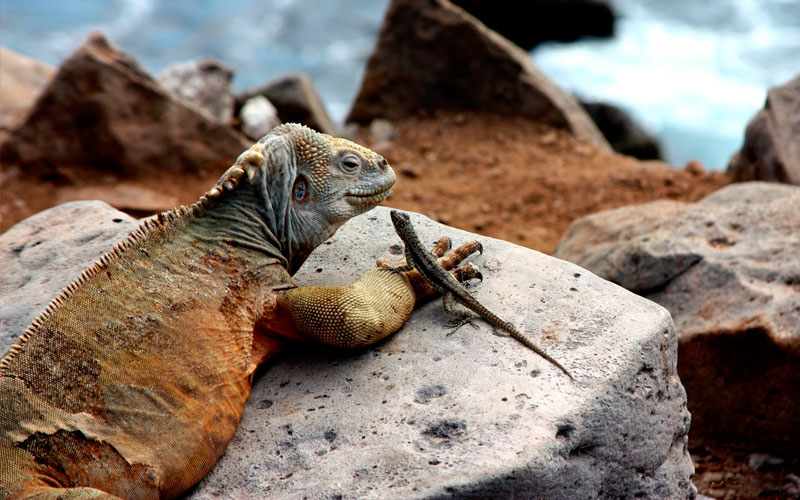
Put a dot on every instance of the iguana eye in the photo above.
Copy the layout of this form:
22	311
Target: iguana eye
350	163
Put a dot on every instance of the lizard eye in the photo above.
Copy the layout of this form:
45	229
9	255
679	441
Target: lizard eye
350	163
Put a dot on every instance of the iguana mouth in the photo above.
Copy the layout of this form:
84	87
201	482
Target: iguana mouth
368	197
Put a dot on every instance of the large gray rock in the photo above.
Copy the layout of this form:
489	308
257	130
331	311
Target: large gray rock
728	269
771	149
205	83
431	55
102	110
474	414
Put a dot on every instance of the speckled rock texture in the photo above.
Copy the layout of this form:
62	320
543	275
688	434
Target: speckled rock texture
473	414
728	269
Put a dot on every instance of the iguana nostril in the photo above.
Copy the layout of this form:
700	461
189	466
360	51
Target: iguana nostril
382	162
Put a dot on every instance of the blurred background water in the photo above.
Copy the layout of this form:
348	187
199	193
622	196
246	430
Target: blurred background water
693	72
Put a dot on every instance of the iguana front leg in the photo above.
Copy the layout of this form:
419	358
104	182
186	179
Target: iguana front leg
370	309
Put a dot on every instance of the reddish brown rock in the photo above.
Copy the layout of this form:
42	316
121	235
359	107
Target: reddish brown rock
103	110
771	150
22	80
432	55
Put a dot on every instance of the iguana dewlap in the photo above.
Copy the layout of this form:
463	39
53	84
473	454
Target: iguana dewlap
133	380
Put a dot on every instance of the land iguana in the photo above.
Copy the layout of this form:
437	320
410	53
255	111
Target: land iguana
452	291
133	380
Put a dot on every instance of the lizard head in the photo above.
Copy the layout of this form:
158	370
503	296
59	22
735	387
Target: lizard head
401	221
309	184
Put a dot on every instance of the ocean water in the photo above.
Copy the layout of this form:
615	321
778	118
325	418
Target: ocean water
693	72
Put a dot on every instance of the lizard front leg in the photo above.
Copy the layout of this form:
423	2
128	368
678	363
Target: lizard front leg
370	309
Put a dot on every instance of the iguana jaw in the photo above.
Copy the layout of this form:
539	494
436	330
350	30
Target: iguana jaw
368	199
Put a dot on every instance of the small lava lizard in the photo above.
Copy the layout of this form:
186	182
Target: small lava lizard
425	262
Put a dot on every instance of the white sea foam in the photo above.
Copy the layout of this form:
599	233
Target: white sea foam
694	73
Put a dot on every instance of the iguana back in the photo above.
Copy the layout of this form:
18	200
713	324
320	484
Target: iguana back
166	357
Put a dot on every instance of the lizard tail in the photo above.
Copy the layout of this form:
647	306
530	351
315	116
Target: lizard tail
538	350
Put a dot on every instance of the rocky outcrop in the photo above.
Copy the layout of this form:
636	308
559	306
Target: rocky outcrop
728	269
431	55
530	23
296	100
205	83
424	414
624	134
102	110
23	78
771	150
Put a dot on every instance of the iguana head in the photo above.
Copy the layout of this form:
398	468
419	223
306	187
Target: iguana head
307	185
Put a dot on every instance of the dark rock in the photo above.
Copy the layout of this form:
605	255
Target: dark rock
771	150
102	110
206	83
23	78
431	55
728	269
535	21
622	132
296	100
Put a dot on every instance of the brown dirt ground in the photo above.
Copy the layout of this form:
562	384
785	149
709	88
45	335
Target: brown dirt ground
504	177
521	181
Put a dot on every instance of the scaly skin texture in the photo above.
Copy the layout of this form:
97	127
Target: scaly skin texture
426	263
133	381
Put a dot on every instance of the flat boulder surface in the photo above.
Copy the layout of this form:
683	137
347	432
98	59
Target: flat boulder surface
728	270
431	55
475	413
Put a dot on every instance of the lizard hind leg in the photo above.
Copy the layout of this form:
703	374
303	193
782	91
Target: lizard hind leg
461	315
